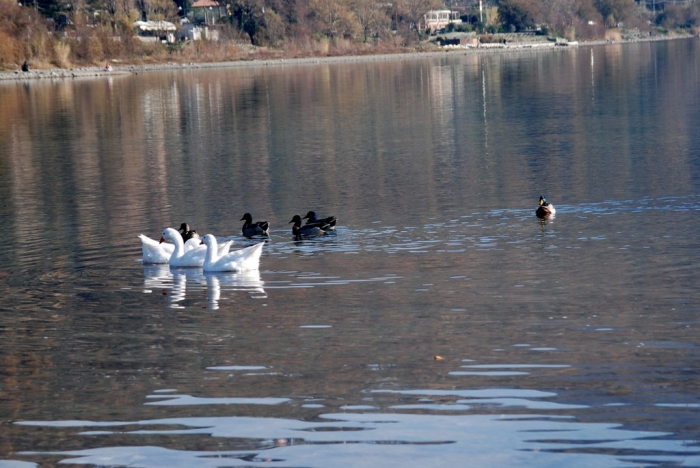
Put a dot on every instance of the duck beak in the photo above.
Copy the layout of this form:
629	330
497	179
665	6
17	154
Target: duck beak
161	240
201	243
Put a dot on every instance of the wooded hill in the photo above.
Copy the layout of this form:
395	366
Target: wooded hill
66	33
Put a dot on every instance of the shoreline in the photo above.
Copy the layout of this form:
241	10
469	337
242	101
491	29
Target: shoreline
118	70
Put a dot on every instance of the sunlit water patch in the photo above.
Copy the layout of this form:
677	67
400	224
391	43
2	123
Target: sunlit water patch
189	400
377	439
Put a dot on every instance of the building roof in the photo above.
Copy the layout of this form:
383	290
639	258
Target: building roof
205	4
155	26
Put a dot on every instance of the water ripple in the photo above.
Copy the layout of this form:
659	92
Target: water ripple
376	439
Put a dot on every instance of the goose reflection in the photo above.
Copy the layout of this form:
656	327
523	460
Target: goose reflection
173	282
156	276
181	278
248	281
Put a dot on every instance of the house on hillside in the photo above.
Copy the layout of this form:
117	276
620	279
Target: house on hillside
153	31
208	11
437	20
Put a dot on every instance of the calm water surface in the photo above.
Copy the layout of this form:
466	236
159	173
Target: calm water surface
572	342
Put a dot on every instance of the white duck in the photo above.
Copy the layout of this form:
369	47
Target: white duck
240	260
155	252
193	257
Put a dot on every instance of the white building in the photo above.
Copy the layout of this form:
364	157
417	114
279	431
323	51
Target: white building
436	20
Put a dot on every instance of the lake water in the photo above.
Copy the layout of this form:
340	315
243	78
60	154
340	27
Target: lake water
443	324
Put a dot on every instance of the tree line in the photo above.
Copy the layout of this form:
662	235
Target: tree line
589	19
68	32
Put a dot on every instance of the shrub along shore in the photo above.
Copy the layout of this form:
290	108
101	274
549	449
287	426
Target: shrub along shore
117	69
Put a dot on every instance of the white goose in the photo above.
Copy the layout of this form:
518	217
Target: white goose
193	257
240	260
155	252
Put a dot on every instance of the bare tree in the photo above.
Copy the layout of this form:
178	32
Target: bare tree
248	16
112	7
127	5
409	13
334	17
615	11
274	28
156	9
372	17
520	14
561	13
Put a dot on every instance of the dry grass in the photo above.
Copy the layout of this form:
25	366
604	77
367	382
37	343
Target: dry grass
40	63
322	46
341	46
9	51
570	33
62	55
613	35
207	51
95	51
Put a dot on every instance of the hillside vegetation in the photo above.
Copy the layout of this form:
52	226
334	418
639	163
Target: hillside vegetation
69	33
